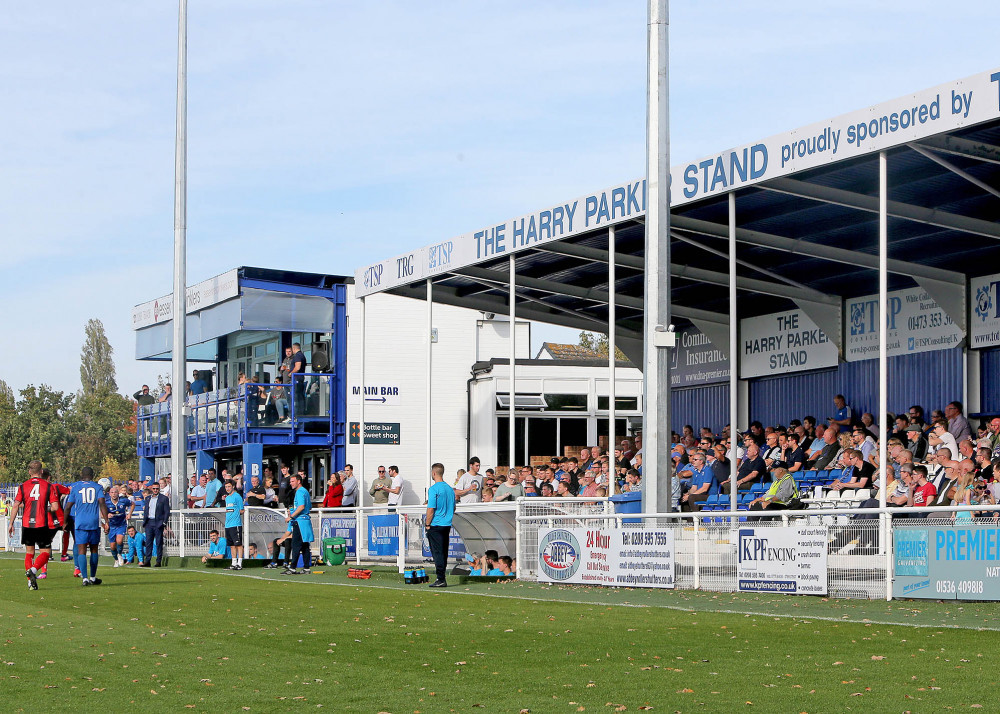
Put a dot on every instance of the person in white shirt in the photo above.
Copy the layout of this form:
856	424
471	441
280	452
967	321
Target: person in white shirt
470	484
395	488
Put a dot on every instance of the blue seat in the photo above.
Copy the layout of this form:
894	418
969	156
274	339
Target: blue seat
757	488
809	474
834	474
823	475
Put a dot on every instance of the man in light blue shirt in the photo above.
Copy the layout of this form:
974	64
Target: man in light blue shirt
234	524
437	522
217	547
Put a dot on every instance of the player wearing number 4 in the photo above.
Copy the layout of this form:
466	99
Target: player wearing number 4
87	505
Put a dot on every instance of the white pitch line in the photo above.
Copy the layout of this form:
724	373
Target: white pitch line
678	608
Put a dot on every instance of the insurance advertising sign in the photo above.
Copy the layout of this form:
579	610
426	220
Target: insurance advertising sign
782	560
696	360
914	323
953	561
641	557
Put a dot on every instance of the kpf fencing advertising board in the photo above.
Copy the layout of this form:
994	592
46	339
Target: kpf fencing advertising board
618	557
947	562
782	560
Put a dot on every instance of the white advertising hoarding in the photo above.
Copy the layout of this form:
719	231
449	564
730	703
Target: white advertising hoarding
783	342
782	560
209	292
641	557
949	106
984	317
914	323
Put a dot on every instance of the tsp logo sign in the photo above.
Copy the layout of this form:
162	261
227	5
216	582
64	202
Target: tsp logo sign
559	555
984	302
858	323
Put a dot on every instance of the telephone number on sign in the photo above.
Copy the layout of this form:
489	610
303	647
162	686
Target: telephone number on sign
965	587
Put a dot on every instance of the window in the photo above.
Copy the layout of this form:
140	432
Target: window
567	402
622	404
521	401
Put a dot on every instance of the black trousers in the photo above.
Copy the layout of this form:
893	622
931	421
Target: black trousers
300	547
437	539
153	531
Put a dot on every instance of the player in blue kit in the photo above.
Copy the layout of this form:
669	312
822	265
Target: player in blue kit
234	524
119	510
89	509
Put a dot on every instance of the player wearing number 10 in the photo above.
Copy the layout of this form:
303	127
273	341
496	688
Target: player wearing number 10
89	509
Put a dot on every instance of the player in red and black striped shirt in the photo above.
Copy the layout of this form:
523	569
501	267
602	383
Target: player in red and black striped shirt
38	500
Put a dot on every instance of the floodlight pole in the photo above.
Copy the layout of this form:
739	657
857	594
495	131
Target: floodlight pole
178	429
658	335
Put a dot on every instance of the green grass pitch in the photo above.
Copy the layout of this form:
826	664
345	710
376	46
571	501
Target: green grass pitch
175	639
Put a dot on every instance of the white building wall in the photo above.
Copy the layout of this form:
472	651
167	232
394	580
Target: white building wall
395	351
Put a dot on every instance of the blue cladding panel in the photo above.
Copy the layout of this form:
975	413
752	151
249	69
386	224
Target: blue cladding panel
989	381
931	379
700	406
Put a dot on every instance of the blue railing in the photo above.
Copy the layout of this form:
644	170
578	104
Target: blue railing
236	415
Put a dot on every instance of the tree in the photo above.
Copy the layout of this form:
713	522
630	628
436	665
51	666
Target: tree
598	342
97	366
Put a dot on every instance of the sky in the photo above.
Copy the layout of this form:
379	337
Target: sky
326	135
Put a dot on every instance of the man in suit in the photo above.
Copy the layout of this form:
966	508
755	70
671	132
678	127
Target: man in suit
155	516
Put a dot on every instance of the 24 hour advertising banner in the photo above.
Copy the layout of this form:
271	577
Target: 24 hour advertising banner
619	557
782	560
914	323
948	562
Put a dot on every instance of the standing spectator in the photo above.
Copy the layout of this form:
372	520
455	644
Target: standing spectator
270	497
843	417
298	384
395	488
196	496
285	370
165	394
285	490
155	515
198	385
334	497
510	490
379	490
437	520
213	484
256	493
547	491
144	397
234	524
958	425
469	485
302	532
350	484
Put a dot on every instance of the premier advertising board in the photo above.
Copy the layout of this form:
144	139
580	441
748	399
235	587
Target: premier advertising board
914	323
783	342
782	560
947	562
619	557
984	317
949	106
211	291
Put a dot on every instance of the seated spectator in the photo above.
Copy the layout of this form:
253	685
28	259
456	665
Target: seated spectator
751	470
217	547
941	437
923	492
278	396
632	482
901	424
703	484
588	485
507	565
862	441
547	492
868	422
487	495
772	452
857	472
779	495
829	448
562	490
915	442
816	443
796	459
529	487
957	424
